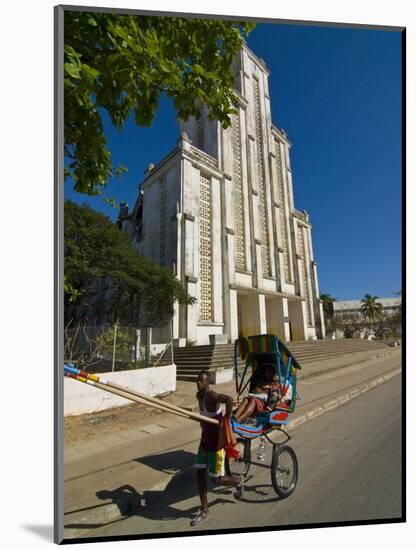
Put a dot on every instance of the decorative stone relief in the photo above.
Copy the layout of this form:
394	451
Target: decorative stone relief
283	227
205	302
261	183
204	157
237	194
302	249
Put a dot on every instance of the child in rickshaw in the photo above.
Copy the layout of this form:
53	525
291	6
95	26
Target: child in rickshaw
281	397
257	400
265	396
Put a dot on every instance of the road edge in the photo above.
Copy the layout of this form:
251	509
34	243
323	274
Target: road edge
126	506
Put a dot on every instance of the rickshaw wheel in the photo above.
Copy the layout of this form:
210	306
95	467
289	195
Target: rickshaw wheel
284	471
242	465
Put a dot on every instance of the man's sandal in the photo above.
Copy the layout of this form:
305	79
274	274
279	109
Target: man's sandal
201	515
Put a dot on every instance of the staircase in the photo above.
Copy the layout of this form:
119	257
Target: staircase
191	360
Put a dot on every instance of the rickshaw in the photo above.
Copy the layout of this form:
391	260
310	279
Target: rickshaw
258	351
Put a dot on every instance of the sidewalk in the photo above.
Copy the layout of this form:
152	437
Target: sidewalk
105	476
89	429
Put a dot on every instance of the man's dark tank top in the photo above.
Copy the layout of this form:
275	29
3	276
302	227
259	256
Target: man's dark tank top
210	432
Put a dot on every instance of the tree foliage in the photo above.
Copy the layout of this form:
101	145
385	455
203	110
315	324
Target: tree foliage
328	307
371	309
351	323
328	304
123	63
95	249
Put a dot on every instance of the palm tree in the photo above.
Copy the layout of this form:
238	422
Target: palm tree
371	309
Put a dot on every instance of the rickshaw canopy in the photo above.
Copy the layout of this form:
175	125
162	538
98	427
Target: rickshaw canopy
259	350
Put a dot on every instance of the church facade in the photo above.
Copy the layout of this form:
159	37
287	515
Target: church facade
219	211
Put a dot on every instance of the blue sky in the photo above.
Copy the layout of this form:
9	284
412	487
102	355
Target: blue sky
337	94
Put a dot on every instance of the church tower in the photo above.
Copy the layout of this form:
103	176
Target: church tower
219	210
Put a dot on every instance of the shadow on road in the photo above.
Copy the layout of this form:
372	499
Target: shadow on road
132	500
161	504
153	505
259	494
168	462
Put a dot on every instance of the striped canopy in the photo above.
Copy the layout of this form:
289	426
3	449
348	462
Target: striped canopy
265	344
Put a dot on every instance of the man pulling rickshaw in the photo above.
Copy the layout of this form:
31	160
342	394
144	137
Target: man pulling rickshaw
269	375
211	454
271	371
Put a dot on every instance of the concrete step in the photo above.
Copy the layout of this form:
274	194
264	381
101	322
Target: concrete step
304	352
335	344
194	366
339	346
213	363
181	368
190	372
204	361
191	360
202	347
311	344
329	348
186	377
186	360
193	356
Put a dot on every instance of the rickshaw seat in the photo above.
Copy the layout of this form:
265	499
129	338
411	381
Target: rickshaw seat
267	349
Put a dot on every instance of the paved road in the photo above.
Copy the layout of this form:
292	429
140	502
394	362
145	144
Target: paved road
350	469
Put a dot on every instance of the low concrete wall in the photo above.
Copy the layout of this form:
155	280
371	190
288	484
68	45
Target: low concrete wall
80	398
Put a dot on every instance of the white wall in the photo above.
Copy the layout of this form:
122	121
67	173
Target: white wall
81	398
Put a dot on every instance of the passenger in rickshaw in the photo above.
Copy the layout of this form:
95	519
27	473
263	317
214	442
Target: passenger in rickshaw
256	400
265	396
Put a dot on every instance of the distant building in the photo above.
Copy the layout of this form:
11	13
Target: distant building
219	210
351	309
390	306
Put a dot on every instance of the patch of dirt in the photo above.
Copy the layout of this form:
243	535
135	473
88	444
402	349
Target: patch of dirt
84	426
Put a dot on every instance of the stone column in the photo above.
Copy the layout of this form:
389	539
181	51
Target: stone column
191	311
232	316
246	190
189	245
287	208
265	125
262	313
286	319
228	251
297	317
252	314
307	263
175	321
274	208
275	317
216	252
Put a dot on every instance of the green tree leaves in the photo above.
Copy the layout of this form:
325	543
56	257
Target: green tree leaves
328	305
124	63
96	250
371	309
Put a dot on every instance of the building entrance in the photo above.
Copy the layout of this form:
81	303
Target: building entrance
249	322
275	317
296	316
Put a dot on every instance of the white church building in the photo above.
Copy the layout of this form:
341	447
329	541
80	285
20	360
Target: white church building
219	211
